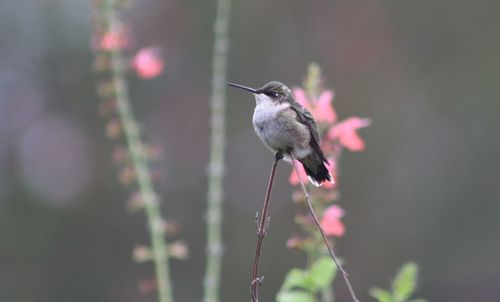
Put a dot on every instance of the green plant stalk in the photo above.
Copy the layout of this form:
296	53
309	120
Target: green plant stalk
215	194
140	164
312	85
327	294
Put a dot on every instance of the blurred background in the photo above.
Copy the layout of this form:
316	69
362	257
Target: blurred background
425	189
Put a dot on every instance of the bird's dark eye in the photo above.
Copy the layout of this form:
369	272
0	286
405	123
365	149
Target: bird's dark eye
273	94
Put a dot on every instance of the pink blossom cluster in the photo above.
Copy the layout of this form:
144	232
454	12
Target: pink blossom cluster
335	135
148	62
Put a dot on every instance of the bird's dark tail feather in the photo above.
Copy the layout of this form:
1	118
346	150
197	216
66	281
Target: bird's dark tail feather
316	170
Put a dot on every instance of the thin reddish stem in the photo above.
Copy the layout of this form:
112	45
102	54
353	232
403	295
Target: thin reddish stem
316	220
261	231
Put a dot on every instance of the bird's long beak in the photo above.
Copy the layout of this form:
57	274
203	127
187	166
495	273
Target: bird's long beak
243	87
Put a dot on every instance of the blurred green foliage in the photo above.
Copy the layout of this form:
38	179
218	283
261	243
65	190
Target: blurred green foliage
305	285
403	286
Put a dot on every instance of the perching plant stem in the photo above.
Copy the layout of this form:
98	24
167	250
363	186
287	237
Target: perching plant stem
262	227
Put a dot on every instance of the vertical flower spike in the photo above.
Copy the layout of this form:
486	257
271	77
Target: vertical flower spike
335	137
110	39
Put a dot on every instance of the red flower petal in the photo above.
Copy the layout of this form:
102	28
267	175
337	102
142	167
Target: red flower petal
331	223
333	212
345	132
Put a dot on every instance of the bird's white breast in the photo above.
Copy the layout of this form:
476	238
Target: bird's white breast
266	110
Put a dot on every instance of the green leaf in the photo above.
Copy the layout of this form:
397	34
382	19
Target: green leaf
295	296
405	282
300	285
381	294
322	272
297	278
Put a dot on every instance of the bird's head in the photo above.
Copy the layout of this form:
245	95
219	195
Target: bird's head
273	91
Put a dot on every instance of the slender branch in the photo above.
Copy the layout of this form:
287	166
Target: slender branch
316	220
262	228
139	162
215	194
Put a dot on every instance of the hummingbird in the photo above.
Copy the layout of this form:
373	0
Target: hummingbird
288	129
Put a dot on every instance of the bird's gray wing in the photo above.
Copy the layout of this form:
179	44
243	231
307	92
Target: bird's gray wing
305	117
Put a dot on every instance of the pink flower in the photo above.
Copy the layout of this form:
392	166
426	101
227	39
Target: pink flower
148	63
331	223
321	108
323	111
345	132
113	39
